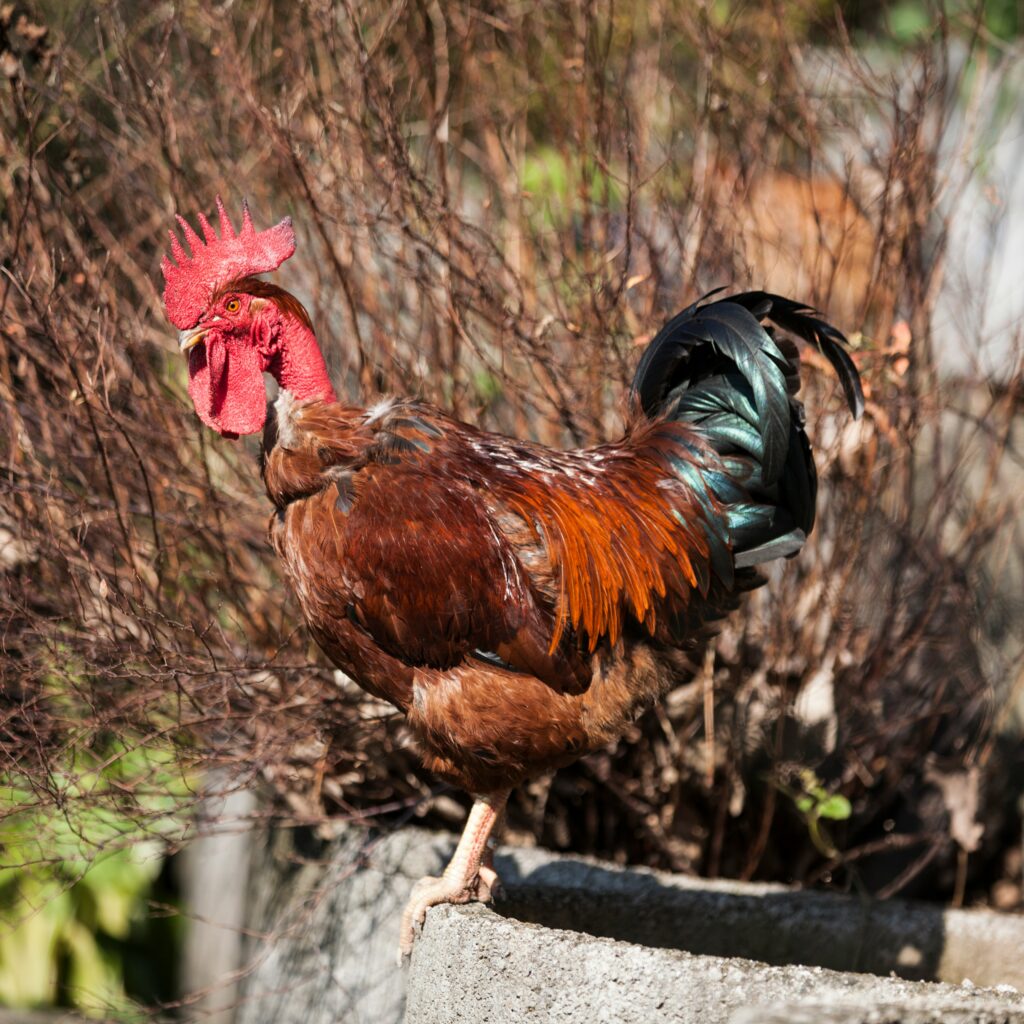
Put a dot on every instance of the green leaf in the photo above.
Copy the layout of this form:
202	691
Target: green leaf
909	22
836	807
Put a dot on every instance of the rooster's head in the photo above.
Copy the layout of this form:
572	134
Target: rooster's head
230	323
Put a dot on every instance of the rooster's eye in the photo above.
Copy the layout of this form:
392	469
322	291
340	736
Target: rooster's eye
232	305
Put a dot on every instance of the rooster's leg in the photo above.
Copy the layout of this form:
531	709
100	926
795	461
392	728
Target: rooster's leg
469	876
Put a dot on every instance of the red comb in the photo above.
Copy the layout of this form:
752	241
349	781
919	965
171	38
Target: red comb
214	261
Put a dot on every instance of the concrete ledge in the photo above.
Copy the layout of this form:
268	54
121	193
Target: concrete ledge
580	942
472	965
769	923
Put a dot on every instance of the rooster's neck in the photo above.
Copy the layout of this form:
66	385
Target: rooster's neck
299	364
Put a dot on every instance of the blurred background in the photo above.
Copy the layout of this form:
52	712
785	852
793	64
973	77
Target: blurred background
497	205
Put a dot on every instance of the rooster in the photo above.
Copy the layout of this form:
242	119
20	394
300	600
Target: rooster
520	605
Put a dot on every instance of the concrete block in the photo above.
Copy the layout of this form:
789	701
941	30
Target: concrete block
582	942
769	923
471	965
324	924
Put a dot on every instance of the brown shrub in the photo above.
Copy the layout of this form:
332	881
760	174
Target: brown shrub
495	209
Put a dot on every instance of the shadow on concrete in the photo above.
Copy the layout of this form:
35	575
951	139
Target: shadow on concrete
813	929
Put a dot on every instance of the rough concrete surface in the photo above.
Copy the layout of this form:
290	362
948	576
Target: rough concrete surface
473	966
578	940
770	923
324	918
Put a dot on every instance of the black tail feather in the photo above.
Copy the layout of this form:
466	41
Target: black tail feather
803	321
701	341
716	367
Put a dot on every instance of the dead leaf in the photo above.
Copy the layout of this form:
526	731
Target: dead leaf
959	791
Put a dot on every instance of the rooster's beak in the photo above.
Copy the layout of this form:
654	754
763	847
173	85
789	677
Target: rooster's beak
188	339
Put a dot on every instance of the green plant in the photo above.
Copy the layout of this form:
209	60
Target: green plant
75	881
814	803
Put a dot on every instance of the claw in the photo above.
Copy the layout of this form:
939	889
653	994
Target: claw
469	877
431	892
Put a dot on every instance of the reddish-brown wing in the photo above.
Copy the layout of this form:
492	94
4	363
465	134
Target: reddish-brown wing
623	532
451	543
393	532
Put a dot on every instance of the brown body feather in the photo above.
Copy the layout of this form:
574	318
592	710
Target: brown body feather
520	605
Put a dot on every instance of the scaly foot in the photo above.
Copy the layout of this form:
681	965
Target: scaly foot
470	877
430	892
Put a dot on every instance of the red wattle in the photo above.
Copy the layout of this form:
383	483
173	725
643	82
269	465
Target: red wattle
225	382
